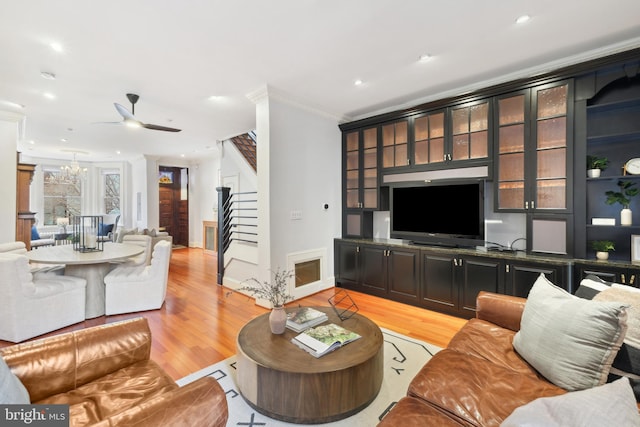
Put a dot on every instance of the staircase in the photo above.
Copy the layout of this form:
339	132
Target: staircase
246	145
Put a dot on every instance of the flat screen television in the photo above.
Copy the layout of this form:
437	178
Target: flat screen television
443	213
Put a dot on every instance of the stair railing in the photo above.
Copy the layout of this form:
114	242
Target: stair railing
237	221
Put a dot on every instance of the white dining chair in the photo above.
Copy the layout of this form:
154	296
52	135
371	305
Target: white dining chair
142	241
39	270
31	306
139	288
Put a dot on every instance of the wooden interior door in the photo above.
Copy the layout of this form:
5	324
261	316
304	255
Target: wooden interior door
173	209
167	210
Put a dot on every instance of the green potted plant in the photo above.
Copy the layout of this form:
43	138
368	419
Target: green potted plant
595	165
627	191
275	291
602	248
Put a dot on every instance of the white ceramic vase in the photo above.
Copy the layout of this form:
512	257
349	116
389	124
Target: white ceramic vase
626	217
602	255
593	173
278	320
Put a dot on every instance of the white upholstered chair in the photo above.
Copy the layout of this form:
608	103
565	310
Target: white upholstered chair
138	240
33	306
40	270
130	289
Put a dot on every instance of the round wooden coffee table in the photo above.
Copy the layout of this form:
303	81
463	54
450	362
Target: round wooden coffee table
284	382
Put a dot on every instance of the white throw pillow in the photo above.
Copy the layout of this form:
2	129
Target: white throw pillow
611	404
12	391
571	341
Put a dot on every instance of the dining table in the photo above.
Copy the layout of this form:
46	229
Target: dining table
92	266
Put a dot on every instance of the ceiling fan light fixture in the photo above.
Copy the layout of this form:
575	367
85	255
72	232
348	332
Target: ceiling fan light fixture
57	47
132	123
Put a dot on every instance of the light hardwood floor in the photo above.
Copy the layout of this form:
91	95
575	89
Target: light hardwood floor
199	322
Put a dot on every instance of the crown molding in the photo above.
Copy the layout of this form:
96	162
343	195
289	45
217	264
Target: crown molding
530	72
272	93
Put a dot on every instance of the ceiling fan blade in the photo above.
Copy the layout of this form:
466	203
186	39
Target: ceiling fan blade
158	127
107	123
124	112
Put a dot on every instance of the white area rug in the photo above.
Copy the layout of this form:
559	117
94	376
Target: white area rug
403	358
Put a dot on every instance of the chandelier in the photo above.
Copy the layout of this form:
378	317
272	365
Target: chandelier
72	173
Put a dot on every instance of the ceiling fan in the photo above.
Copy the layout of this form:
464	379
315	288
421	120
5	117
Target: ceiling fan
130	120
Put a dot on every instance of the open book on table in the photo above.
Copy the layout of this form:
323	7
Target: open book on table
304	318
324	339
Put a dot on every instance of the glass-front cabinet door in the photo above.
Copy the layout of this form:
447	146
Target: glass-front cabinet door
428	134
370	168
532	144
352	170
395	144
470	132
361	169
551	148
512	130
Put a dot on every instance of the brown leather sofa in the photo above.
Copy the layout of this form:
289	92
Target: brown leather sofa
479	379
106	376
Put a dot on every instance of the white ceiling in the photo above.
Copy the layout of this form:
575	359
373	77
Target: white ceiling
177	54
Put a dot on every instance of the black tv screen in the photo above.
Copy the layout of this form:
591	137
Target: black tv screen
449	214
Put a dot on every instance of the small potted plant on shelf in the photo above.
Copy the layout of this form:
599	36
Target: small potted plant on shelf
602	248
595	165
624	198
275	291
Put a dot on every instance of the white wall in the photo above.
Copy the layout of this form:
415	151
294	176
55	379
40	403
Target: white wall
304	175
9	126
203	180
299	157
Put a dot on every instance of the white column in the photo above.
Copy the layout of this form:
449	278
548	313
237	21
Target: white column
10	123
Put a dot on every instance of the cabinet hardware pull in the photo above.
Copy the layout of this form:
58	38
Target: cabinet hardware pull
455	262
526	205
624	279
633	279
357	249
533	204
506	268
460	262
409	161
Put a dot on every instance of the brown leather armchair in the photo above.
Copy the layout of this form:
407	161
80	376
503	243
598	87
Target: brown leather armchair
106	376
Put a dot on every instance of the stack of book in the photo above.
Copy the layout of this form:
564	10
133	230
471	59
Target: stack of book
324	339
304	318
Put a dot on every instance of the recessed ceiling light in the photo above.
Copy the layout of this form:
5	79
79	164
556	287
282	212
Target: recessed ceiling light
56	46
63	139
522	19
181	155
424	58
358	82
49	95
47	75
32	142
117	151
215	98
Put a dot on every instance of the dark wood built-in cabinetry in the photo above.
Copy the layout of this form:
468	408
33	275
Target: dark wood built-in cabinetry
528	140
441	279
611	100
24	217
361	184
